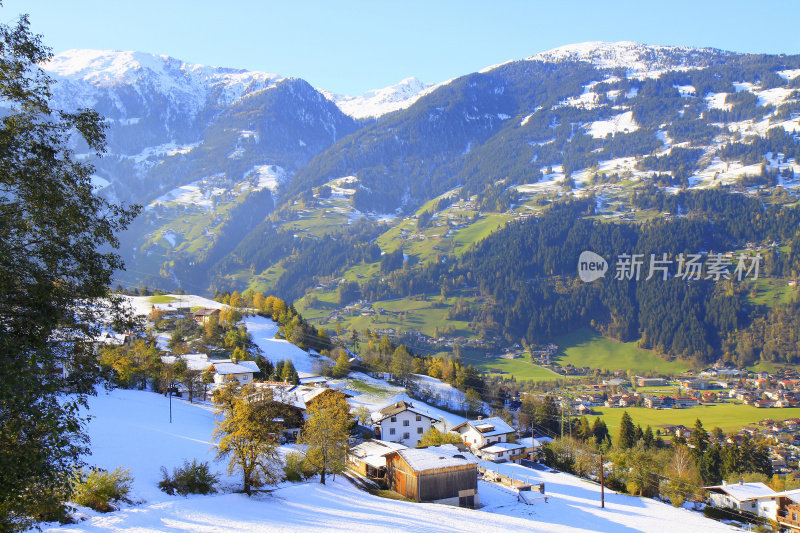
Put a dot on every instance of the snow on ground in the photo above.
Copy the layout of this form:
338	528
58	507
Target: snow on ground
168	149
196	193
620	123
717	101
339	189
789	74
443	392
263	331
686	91
132	429
142	305
378	394
269	176
775	96
574	504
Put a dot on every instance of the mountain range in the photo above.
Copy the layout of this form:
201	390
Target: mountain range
252	180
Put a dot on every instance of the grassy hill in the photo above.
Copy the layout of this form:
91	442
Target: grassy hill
587	348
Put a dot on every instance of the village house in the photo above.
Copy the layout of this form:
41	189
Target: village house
369	457
740	496
788	515
227	370
483	432
427	475
401	422
202	316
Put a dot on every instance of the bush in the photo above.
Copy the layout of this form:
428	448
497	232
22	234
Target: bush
99	489
297	468
191	478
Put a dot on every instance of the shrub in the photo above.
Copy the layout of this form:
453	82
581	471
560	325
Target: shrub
191	478
100	489
297	468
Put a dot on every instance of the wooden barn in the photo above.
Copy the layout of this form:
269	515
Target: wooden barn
429	476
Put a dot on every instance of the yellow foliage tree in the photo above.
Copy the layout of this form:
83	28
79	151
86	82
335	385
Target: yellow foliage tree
325	434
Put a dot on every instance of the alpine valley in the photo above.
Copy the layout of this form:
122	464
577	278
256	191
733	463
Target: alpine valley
453	215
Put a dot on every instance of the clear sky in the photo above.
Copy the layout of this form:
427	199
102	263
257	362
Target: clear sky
351	46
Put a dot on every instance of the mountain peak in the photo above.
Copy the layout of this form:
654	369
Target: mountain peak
378	102
635	57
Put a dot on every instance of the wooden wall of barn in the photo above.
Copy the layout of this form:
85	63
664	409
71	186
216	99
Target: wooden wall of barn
446	482
401	477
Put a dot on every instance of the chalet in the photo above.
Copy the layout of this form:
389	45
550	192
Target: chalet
202	316
369	457
510	452
740	496
425	475
228	370
478	434
788	515
401	422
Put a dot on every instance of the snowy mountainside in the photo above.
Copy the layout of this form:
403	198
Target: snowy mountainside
377	102
214	153
131	429
636	58
189	86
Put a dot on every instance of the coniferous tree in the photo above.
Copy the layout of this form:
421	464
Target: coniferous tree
626	434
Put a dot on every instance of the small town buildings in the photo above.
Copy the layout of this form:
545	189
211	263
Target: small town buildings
483	432
401	422
427	475
649	382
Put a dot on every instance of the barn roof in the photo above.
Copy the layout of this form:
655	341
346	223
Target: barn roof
421	460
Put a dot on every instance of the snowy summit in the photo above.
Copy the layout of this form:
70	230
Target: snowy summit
378	102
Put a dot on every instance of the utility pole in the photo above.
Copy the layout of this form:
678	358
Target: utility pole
602	484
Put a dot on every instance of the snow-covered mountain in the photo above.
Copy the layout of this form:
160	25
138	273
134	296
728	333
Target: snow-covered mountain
377	102
636	58
83	76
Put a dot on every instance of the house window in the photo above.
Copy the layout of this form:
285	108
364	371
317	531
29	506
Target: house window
406	436
406	423
419	430
419	418
393	419
391	431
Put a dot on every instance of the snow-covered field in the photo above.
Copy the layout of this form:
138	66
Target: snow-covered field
132	429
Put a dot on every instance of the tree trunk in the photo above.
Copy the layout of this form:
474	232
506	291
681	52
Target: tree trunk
322	476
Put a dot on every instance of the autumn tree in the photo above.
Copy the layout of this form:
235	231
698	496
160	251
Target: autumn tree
247	427
434	437
342	367
326	433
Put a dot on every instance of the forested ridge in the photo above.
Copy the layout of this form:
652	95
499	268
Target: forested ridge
526	274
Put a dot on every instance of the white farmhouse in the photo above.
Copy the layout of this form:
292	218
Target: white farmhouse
241	371
401	422
483	432
741	496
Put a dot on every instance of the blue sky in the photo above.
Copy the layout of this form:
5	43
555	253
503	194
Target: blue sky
353	46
